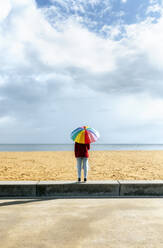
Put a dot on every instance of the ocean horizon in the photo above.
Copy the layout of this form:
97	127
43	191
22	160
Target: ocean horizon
70	147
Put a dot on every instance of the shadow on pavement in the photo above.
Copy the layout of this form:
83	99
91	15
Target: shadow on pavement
2	204
25	200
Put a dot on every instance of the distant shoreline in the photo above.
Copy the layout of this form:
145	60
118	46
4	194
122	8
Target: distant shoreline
70	147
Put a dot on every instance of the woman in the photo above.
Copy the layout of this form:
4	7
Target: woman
81	154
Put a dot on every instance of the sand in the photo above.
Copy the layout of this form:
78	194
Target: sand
61	165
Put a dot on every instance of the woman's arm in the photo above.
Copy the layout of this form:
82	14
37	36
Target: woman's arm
88	146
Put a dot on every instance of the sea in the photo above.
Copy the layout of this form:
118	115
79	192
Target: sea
70	147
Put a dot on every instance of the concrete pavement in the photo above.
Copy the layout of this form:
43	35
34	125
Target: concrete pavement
107	188
80	223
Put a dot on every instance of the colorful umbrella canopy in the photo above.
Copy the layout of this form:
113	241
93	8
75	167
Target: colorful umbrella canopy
84	135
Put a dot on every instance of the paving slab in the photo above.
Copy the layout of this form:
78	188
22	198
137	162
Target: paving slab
18	188
141	187
80	223
54	188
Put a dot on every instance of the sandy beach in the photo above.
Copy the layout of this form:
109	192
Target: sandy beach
61	165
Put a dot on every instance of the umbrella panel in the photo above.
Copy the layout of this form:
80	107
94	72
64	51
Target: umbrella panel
84	135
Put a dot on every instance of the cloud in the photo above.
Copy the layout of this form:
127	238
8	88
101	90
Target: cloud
53	77
154	8
5	9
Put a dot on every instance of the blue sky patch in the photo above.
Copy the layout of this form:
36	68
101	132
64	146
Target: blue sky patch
95	14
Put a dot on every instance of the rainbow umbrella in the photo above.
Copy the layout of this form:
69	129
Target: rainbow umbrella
84	135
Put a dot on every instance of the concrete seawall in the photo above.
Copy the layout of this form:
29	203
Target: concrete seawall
110	188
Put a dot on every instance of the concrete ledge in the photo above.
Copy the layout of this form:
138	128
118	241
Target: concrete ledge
50	188
18	188
91	188
141	188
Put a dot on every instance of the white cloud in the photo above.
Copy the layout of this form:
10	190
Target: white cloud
147	38
111	31
5	9
140	110
154	8
58	77
124	1
6	120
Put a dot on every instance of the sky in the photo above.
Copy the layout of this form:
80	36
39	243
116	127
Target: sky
69	63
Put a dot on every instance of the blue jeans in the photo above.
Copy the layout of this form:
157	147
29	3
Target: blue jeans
82	161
